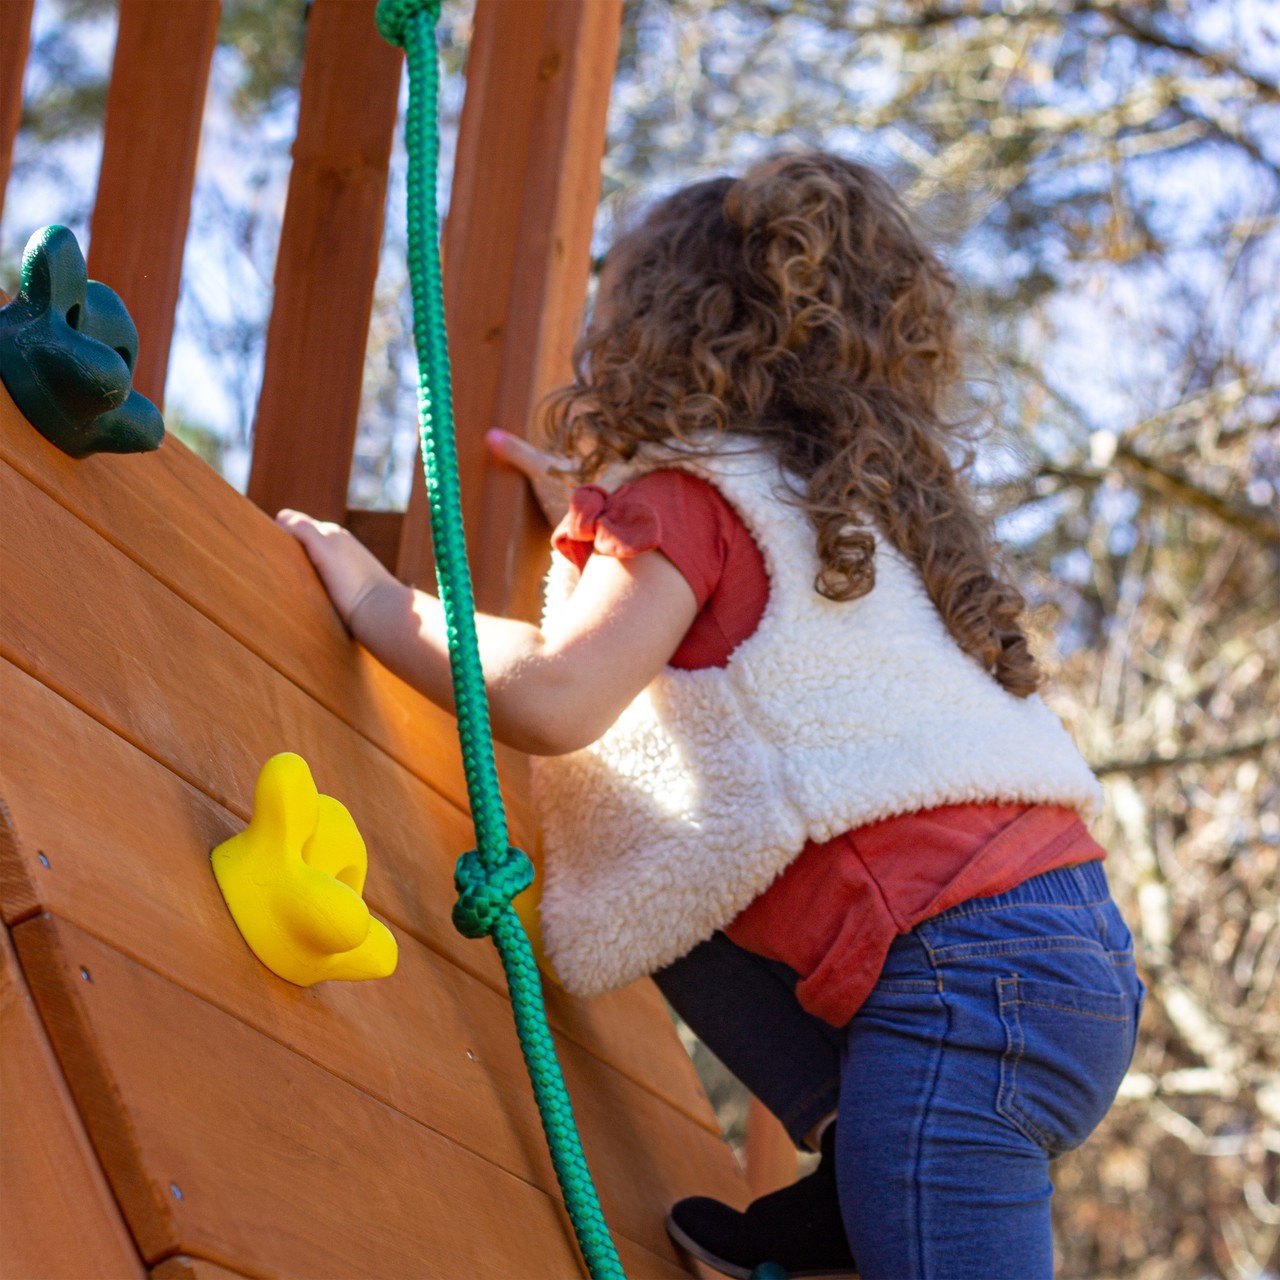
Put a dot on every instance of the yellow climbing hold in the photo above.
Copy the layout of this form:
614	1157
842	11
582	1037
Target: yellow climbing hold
293	880
528	907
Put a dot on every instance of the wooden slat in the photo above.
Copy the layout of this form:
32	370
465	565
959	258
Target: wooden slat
15	37
85	620
154	108
379	531
770	1155
431	1041
184	1267
218	552
516	248
221	1143
305	428
177	519
57	1218
187	694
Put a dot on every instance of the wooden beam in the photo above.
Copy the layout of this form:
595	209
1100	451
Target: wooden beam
433	1041
218	730
517	253
770	1156
154	108
15	37
219	1141
57	1217
305	428
379	531
183	1267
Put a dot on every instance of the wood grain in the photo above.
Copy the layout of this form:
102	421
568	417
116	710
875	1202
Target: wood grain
516	256
305	427
57	1218
770	1153
113	867
184	1267
15	38
431	1041
74	631
221	1143
155	103
379	531
174	517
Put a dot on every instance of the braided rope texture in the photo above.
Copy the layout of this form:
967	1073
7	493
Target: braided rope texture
492	874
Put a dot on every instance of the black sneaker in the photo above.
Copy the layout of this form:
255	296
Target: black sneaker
798	1228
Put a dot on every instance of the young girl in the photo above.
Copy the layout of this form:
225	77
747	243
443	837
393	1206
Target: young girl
795	765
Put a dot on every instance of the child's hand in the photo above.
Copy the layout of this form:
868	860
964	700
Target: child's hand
552	491
350	572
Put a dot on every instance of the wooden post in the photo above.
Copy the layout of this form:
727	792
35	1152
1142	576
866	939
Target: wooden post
154	108
517	252
15	36
770	1157
305	428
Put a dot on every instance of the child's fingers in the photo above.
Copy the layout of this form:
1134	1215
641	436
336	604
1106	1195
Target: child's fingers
307	529
536	465
517	452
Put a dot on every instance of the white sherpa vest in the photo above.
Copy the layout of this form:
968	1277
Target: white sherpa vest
831	715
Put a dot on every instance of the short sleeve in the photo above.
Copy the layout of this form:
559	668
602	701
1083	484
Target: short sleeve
668	511
694	526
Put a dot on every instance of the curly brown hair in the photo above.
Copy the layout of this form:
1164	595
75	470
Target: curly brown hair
798	306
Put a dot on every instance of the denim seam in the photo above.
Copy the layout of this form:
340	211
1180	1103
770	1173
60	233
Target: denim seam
956	912
1084	1013
1010	1106
1017	946
924	1117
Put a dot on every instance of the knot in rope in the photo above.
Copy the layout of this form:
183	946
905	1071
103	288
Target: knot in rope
485	892
393	17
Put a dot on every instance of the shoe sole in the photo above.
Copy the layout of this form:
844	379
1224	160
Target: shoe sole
706	1266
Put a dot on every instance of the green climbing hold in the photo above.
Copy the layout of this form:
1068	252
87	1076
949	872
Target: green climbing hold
67	354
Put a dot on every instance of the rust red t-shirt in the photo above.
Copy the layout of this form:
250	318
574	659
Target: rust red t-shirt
834	912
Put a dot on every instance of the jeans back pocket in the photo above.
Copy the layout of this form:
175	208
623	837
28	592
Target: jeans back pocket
1067	1049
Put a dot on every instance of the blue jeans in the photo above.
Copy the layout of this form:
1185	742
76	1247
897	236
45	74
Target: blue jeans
995	1040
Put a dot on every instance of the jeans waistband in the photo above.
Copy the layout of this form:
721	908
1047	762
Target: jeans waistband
1082	885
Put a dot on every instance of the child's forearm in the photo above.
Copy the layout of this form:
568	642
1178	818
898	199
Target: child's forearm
405	630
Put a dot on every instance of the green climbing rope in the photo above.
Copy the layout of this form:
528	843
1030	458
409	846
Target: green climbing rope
492	874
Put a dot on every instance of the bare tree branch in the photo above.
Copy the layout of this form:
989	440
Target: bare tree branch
1255	521
1149	764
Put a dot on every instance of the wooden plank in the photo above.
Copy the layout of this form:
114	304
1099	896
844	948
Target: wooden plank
221	1143
15	38
96	864
155	104
305	427
88	622
516	248
638	1263
174	516
431	1041
379	531
770	1155
216	551
184	1267
57	1217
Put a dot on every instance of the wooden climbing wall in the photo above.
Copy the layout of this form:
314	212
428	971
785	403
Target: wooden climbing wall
167	1106
182	1110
